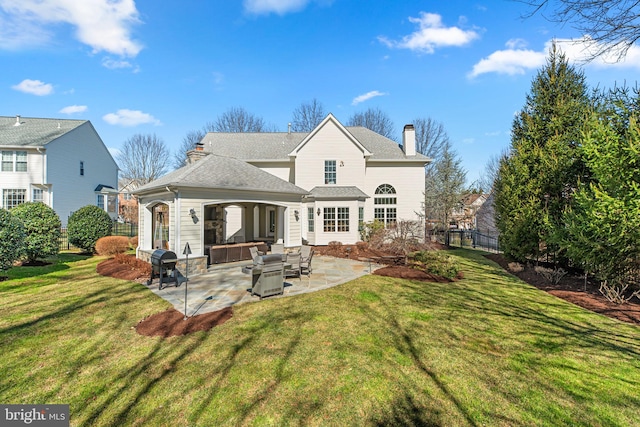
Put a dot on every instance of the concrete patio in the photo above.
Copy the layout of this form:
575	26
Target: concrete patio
225	285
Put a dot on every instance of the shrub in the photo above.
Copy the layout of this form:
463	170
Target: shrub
41	227
515	267
437	263
111	245
552	275
12	238
133	242
87	225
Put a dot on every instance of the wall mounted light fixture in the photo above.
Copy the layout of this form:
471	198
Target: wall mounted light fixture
296	213
318	212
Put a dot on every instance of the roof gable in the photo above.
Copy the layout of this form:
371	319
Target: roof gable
328	121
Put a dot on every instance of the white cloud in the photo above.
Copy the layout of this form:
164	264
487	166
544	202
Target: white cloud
367	96
34	87
105	25
72	109
280	7
431	34
518	60
114	64
130	118
579	50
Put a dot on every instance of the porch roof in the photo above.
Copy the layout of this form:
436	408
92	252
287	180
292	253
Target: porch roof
220	172
337	193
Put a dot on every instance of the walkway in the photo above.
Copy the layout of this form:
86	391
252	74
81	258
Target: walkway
225	285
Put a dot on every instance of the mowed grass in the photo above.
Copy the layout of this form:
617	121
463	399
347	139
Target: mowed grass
488	350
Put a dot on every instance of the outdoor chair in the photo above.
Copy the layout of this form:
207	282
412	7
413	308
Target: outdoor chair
277	248
305	261
253	250
293	265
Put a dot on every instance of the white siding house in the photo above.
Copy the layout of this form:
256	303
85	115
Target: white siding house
62	163
314	187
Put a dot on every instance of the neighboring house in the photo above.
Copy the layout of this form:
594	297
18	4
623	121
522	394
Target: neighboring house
463	216
314	187
485	217
127	203
62	163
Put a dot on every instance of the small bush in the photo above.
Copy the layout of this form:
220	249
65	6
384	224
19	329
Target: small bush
111	245
42	228
87	225
437	263
133	242
550	274
335	245
515	267
12	237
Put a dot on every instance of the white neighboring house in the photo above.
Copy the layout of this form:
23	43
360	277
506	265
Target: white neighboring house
313	187
62	163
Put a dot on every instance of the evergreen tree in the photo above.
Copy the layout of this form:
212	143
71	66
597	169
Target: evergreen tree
536	179
603	225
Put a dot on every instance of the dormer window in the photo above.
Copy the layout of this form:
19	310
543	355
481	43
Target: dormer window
330	172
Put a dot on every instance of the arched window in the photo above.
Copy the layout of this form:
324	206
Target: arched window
160	226
385	204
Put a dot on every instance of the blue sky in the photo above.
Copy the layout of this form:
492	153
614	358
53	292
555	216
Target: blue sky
169	67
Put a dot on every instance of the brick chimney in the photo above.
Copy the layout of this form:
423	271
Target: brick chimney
409	140
197	154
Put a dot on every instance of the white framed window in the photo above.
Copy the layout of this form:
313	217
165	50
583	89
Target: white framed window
12	197
330	174
14	161
21	161
311	220
112	203
100	201
37	195
385	202
336	219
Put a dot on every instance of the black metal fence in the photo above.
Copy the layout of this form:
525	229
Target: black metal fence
468	239
118	229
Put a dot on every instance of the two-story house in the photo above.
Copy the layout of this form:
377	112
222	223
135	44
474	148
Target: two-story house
62	163
313	187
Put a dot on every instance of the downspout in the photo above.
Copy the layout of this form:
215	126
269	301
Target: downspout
43	180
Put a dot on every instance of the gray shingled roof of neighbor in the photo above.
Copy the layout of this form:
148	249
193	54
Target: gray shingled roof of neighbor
277	145
337	192
222	172
33	132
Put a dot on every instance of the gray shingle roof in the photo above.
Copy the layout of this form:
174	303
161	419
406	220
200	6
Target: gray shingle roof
337	192
33	132
222	172
278	145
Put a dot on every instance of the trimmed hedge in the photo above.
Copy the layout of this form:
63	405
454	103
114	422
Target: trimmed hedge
87	225
111	245
42	228
12	238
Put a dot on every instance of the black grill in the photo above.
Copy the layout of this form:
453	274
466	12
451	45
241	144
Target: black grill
161	262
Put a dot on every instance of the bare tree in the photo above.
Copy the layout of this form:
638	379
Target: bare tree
613	25
237	119
430	137
188	143
142	159
488	175
376	120
307	116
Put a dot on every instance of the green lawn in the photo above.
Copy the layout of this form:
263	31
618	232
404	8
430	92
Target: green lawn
488	350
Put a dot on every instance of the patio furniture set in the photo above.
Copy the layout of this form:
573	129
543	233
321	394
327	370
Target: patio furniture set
269	271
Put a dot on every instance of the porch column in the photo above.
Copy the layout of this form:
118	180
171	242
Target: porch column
249	221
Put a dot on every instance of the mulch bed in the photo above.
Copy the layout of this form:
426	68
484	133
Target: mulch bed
171	323
573	289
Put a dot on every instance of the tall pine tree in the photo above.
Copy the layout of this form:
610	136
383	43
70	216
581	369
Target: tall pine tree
536	179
